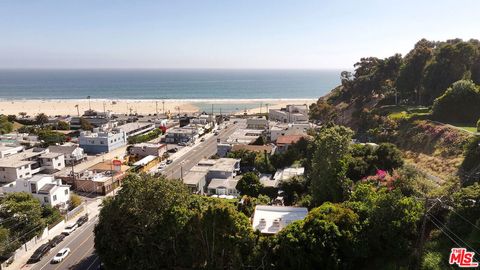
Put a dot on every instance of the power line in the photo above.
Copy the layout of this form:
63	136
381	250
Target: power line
433	222
453	210
452	232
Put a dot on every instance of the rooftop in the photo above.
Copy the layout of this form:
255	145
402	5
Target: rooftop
194	177
64	149
129	127
229	183
289	139
149	145
225	164
51	155
288	173
271	219
254	148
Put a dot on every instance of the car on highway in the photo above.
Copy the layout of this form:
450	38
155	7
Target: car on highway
202	139
70	229
61	255
39	253
215	133
169	161
56	240
82	220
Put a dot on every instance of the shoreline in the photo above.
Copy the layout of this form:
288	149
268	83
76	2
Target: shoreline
54	107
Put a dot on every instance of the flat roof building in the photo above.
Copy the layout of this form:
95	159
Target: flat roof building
271	219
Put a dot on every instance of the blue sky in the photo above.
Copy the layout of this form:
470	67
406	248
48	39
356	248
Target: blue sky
222	34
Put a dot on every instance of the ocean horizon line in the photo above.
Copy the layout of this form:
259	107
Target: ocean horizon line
195	100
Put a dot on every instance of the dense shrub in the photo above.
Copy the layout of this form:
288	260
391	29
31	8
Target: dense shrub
460	103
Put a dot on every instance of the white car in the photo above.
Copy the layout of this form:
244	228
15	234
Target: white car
61	255
69	229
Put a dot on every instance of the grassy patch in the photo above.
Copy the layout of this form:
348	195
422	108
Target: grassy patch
397	112
467	127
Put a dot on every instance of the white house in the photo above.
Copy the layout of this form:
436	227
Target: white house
271	219
45	188
221	186
288	173
289	114
73	153
6	150
28	163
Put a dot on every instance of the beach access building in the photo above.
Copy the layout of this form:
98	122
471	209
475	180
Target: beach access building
270	219
289	114
97	142
45	188
29	162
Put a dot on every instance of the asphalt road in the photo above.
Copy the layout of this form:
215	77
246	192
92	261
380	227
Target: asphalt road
204	150
82	256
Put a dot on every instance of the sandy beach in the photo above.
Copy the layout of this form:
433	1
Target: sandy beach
69	107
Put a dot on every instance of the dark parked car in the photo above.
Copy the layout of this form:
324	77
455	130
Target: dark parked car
56	240
39	253
173	150
82	220
169	161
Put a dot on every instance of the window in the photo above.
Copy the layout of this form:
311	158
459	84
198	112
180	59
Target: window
66	191
54	197
59	164
45	199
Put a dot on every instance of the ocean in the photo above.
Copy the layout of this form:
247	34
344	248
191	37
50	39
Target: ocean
195	85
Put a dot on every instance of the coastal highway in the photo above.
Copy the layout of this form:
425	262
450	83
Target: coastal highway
203	150
82	256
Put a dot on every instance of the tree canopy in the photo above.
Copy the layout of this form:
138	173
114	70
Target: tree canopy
459	104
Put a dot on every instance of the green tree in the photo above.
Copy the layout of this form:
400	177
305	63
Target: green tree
220	236
326	239
452	62
22	212
50	137
388	157
247	158
5	125
409	81
153	213
62	125
389	223
322	111
41	119
85	124
329	164
293	189
459	103
249	184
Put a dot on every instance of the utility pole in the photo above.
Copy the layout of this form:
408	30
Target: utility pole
163	104
78	111
156	107
104	111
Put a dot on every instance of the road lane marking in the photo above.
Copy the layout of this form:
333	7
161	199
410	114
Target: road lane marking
71	252
66	245
96	258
